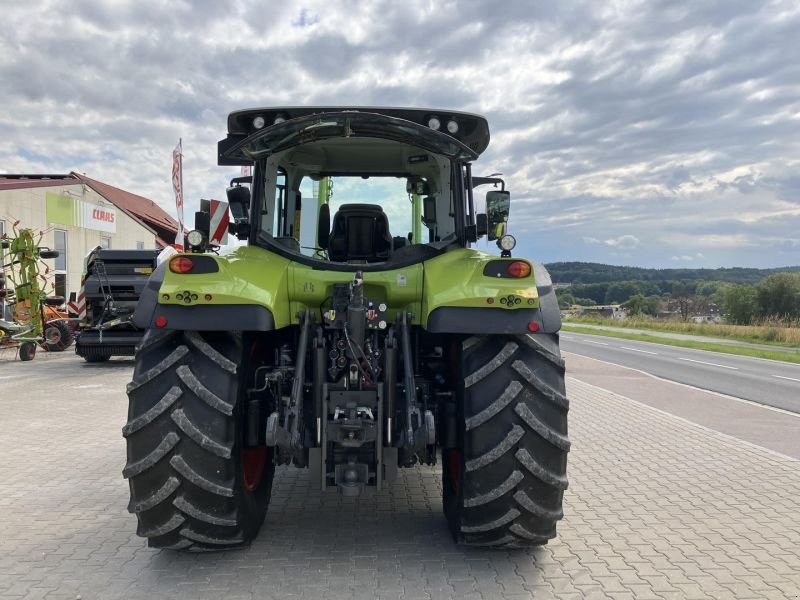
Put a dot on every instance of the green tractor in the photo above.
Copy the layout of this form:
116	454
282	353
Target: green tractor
350	345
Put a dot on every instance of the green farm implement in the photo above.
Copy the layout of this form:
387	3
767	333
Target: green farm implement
23	302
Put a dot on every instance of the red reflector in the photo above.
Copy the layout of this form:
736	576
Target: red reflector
533	327
181	264
490	301
519	268
161	321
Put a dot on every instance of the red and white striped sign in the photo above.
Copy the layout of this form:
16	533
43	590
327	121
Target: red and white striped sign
77	309
177	186
219	219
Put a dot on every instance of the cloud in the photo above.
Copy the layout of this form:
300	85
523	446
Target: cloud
623	242
676	124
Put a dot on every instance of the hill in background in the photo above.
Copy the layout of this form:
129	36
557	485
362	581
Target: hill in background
584	272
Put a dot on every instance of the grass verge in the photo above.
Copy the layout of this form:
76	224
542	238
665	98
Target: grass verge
790	357
775	332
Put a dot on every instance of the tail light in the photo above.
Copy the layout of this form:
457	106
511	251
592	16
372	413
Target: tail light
519	268
181	264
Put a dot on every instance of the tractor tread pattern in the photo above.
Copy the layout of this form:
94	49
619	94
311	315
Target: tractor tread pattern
199	344
140	466
515	442
559	441
160	368
502	489
186	425
507	518
533	379
192	476
190	509
157	497
491	366
148	417
533	342
175	521
508	443
196	387
183	463
511	392
539	471
196	536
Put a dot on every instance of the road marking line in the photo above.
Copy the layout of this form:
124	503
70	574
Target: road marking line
637	350
725	354
789	378
598	343
692	387
702	362
706	428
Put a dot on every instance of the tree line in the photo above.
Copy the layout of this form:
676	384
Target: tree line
584	273
776	296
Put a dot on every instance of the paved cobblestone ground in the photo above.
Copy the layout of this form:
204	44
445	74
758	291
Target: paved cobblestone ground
657	508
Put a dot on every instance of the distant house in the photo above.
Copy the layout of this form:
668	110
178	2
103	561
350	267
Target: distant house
706	319
78	214
609	311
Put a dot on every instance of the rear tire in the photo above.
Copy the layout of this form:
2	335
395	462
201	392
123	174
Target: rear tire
27	351
57	336
504	483
192	483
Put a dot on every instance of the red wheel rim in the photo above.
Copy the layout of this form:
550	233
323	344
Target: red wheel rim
253	462
53	335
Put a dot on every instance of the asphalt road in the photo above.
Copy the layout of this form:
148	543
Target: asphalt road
767	382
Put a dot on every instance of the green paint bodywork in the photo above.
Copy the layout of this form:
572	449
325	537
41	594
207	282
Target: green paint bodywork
253	275
456	279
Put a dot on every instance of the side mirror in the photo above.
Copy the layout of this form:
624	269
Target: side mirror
497	208
482	224
239	202
429	211
324	226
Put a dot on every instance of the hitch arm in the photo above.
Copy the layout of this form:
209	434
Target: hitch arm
295	412
408	376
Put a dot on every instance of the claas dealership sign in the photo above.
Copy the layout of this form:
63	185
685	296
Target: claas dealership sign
65	210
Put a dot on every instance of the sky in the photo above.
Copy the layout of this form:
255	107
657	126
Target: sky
651	133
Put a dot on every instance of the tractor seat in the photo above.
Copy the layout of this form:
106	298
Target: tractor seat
360	233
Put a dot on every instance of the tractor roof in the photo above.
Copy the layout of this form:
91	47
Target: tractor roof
259	131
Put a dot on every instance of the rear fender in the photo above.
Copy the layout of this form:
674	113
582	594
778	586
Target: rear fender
459	297
248	292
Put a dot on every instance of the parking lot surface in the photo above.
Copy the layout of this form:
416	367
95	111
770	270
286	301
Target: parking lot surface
657	508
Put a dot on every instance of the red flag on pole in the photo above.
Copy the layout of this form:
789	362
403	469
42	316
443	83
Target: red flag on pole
177	186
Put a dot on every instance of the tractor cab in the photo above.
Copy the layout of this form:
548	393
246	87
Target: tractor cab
382	187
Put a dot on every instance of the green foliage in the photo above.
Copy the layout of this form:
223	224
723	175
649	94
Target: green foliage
739	304
744	295
585	273
640	305
779	296
620	291
585	302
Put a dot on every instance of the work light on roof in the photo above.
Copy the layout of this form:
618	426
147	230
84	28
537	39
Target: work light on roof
507	242
279	119
259	122
434	123
195	238
452	126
